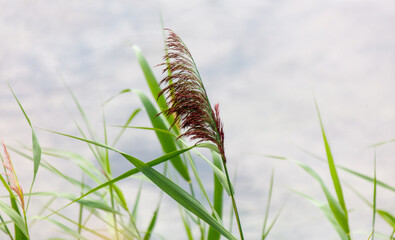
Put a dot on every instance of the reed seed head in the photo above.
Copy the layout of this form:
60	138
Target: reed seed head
187	97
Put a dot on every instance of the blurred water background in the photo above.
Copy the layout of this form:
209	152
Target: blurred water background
263	61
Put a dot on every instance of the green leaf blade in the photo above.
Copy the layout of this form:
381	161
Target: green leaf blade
179	195
334	175
167	142
150	78
15	217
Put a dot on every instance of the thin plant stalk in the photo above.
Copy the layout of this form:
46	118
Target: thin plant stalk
233	199
81	208
108	170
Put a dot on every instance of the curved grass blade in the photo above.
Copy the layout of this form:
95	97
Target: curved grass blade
90	203
390	219
218	172
150	78
335	207
115	96
129	173
332	167
333	204
167	142
363	176
328	214
54	170
99	155
15	217
179	195
378	182
35	145
86	166
109	176
19	234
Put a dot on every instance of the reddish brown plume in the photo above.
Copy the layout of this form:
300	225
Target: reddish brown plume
186	96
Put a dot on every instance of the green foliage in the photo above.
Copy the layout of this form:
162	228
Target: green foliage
102	197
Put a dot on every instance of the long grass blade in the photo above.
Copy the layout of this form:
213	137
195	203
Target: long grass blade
167	142
129	173
179	195
328	214
388	217
360	175
16	218
86	166
334	175
332	167
150	79
217	171
173	190
35	145
335	207
127	90
333	204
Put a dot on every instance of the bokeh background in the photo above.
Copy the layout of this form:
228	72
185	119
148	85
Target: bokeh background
264	61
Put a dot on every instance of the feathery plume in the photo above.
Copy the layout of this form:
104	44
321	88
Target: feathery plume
187	97
11	176
188	102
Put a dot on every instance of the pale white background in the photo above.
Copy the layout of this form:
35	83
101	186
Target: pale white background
263	61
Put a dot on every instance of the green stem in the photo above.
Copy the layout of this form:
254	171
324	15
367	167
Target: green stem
80	219
27	228
113	215
81	209
233	198
198	219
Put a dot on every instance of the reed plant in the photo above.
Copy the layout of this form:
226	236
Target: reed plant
187	127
